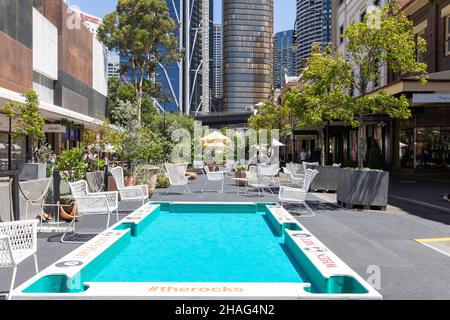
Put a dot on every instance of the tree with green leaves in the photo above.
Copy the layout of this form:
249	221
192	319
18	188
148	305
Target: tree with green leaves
143	32
27	117
323	97
384	40
122	105
270	117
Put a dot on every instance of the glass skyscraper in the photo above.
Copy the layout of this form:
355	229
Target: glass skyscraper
285	57
313	25
247	53
173	76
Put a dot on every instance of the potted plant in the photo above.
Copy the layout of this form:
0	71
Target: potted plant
72	167
145	174
162	182
240	173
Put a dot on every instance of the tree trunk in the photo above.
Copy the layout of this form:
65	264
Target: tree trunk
139	105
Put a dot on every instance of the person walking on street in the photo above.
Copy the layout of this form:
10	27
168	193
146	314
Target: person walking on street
303	156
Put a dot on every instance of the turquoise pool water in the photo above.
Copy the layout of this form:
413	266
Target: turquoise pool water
203	247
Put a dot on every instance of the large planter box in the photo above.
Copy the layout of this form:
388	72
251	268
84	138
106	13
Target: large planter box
33	171
327	178
361	188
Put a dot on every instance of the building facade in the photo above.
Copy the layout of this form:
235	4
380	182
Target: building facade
312	25
247	53
285	57
217	87
113	66
420	144
188	82
44	46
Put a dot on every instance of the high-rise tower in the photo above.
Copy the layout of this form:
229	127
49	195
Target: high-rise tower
284	61
312	25
247	53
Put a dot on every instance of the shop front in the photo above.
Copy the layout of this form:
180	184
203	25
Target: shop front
424	140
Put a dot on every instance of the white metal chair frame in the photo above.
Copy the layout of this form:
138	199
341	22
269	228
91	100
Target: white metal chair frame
214	176
98	203
177	176
18	241
298	195
139	192
260	177
199	165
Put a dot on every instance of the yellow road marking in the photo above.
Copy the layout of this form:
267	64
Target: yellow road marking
432	240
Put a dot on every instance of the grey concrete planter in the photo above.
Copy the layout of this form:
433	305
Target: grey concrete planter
327	178
361	188
33	171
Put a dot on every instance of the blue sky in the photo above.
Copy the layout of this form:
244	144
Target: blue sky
284	10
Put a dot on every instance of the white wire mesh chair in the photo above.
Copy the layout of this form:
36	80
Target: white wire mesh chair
18	241
133	193
95	181
305	164
177	176
298	195
199	165
295	172
37	197
99	203
229	167
214	176
260	178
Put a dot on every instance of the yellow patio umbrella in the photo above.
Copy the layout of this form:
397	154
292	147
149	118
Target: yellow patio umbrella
215	139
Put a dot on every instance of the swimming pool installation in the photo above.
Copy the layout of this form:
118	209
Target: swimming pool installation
180	250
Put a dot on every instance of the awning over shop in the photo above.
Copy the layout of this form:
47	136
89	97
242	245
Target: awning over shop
51	111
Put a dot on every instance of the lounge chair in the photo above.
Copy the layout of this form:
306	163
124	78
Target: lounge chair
177	176
18	241
98	203
214	176
298	195
132	193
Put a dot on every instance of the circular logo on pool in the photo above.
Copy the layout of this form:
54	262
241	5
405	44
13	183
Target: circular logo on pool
69	264
316	249
302	235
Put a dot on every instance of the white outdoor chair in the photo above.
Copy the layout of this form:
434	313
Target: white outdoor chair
18	241
298	195
177	176
261	178
296	173
37	198
98	203
132	193
214	176
305	164
199	165
229	167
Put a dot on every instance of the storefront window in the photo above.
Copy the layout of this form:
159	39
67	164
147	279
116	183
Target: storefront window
433	148
406	148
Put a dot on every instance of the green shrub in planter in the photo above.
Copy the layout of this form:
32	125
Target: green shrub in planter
162	182
72	165
241	168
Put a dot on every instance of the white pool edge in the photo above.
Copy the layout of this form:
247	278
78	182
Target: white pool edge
76	260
